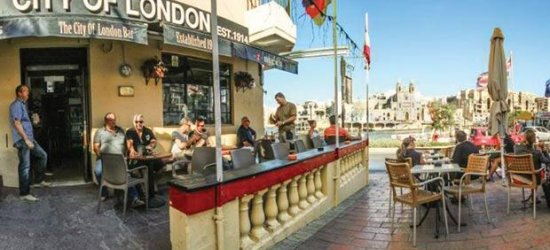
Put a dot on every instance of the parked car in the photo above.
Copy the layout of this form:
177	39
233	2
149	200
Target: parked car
542	133
480	137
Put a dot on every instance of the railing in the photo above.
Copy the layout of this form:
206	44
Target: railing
266	202
251	4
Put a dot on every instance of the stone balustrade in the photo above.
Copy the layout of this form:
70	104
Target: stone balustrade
262	205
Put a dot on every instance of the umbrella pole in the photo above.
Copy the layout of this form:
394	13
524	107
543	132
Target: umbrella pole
502	163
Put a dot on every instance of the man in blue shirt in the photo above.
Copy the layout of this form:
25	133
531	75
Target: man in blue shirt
26	145
246	136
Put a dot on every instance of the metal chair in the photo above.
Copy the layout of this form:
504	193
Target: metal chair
242	158
280	150
401	177
300	146
477	166
521	173
407	160
116	175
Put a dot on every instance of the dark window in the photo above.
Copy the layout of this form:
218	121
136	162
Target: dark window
188	90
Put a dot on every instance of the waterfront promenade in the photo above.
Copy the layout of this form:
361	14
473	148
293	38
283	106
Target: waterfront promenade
362	222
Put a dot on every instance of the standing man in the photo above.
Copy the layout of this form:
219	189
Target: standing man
26	145
246	136
284	118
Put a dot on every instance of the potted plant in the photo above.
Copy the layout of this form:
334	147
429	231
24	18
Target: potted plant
244	81
153	68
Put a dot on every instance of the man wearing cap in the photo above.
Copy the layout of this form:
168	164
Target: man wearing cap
245	134
284	117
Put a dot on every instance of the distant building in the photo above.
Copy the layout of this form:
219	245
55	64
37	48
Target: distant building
476	104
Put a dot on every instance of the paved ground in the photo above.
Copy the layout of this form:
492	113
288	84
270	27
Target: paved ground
362	222
66	218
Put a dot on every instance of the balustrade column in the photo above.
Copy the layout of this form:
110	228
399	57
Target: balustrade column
302	191
310	188
258	216
318	183
282	202
271	209
244	222
293	197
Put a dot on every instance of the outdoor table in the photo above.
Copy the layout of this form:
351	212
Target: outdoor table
149	160
431	169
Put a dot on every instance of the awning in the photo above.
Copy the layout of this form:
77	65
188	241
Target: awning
73	27
183	37
264	58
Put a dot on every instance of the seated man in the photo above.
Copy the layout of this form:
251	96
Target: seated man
111	139
463	149
199	136
246	136
330	132
141	140
181	146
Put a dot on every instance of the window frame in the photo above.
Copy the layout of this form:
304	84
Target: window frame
185	83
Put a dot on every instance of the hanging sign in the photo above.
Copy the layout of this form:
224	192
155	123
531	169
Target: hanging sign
166	12
76	27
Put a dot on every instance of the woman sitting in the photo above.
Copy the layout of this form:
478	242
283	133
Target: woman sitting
528	147
180	138
408	150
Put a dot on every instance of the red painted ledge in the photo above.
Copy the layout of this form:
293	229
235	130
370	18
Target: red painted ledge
192	202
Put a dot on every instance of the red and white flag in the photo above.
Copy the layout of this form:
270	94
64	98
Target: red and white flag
366	47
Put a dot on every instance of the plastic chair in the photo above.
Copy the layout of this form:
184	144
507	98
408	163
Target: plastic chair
280	150
521	173
401	177
477	166
242	158
331	140
300	146
202	157
264	151
116	176
317	142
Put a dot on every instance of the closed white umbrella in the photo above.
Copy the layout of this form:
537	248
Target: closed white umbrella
498	89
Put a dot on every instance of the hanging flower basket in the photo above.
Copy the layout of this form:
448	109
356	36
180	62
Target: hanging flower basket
153	68
244	81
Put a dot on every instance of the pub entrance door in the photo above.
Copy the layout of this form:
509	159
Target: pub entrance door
58	79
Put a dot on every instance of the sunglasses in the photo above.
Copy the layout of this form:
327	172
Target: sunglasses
139	121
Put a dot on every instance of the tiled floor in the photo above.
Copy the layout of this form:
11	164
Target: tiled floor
363	223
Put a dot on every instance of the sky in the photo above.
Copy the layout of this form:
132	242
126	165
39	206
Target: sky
442	45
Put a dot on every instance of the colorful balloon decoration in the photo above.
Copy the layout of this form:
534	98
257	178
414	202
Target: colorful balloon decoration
315	8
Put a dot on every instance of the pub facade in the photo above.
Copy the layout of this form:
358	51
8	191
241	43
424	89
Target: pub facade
84	58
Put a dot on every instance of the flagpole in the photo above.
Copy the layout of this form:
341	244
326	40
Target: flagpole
367	78
512	71
335	41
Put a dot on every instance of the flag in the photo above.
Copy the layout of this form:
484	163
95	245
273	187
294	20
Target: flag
366	47
482	80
